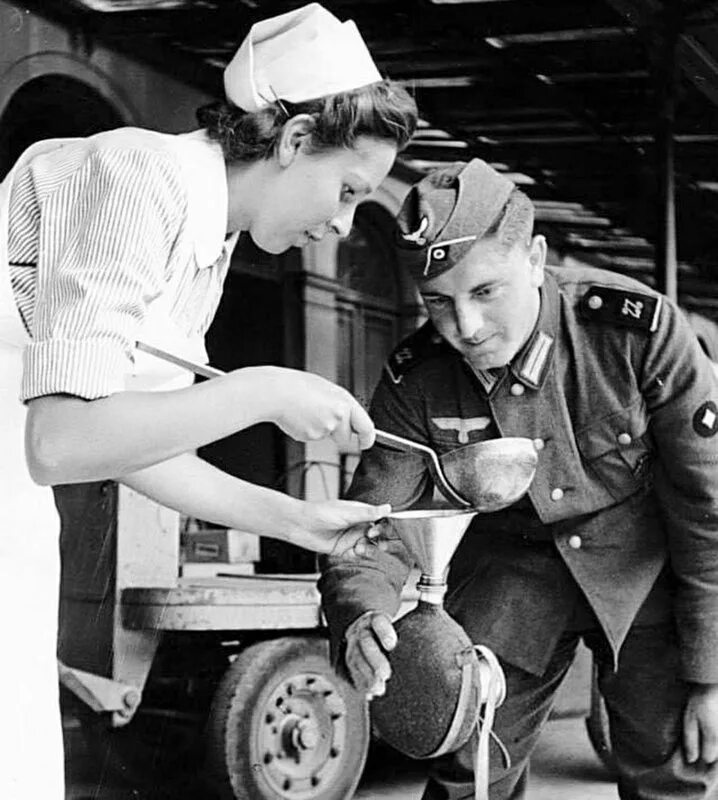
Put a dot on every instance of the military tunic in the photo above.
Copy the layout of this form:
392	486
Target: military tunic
620	401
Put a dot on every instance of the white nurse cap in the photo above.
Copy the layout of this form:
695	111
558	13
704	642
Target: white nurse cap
298	56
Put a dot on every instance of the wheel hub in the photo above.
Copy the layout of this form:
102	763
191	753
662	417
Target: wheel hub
302	735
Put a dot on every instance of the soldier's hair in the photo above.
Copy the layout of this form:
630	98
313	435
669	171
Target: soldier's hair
515	223
383	110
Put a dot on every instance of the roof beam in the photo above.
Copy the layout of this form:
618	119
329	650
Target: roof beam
551	37
592	77
445	82
694	60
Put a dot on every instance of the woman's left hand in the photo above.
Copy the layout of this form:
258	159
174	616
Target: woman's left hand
340	527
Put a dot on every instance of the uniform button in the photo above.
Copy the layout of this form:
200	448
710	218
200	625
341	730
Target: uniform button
556	494
574	542
624	438
539	444
595	302
517	389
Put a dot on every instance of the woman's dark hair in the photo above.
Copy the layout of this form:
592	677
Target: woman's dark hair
383	110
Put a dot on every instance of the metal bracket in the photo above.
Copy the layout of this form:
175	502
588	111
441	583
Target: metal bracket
102	694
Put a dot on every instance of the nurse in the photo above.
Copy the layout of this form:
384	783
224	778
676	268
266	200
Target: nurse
124	237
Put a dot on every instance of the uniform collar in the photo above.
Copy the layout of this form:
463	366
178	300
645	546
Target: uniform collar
531	363
205	176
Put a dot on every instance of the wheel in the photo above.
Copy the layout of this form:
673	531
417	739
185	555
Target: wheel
597	726
284	726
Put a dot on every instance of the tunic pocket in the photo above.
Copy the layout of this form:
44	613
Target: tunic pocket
618	449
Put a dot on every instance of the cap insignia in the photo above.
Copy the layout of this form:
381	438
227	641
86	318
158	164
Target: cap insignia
417	236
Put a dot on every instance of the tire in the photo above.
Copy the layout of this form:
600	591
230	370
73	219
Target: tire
284	726
598	728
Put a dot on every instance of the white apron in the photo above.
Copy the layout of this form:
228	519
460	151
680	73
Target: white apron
31	748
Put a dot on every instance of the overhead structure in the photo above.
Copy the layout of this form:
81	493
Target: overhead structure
604	111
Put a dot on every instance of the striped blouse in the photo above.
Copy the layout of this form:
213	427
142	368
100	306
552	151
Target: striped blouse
98	229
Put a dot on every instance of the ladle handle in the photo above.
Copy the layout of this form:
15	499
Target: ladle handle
388	439
405	445
198	369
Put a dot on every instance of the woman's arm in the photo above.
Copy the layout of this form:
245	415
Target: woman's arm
196	488
70	440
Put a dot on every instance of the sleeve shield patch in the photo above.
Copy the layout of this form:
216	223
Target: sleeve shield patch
705	420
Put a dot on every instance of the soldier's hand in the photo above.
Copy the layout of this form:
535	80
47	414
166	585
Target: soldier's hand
368	639
700	724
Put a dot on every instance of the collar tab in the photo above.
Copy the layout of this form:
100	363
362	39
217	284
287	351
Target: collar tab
531	368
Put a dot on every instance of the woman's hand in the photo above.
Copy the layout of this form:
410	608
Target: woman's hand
339	527
307	407
192	486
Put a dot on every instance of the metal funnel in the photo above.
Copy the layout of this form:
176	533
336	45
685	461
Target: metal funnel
431	536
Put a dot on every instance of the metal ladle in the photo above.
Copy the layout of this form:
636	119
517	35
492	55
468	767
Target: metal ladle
389	439
484	476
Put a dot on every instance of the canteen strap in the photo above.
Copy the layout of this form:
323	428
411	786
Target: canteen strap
465	693
494	696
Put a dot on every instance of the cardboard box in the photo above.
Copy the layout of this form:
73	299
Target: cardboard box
220	545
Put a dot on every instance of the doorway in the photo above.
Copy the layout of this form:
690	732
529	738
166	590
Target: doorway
49	107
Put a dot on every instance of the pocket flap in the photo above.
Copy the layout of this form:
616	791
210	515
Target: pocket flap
617	431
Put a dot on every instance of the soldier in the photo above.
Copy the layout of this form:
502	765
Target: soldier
616	542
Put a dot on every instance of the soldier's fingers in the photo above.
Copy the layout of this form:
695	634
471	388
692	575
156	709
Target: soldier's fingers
375	658
364	546
690	738
373	532
384	631
709	744
363	675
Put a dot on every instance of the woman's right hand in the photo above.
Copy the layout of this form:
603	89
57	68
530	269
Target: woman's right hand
307	407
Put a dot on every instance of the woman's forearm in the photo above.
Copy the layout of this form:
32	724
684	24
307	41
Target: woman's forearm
70	440
196	488
192	486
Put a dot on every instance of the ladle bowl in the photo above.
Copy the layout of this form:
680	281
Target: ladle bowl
492	474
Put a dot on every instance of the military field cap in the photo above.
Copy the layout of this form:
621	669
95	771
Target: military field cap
447	213
297	56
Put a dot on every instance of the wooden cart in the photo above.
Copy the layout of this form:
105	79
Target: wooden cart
222	683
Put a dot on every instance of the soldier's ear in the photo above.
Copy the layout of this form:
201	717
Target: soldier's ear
537	259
